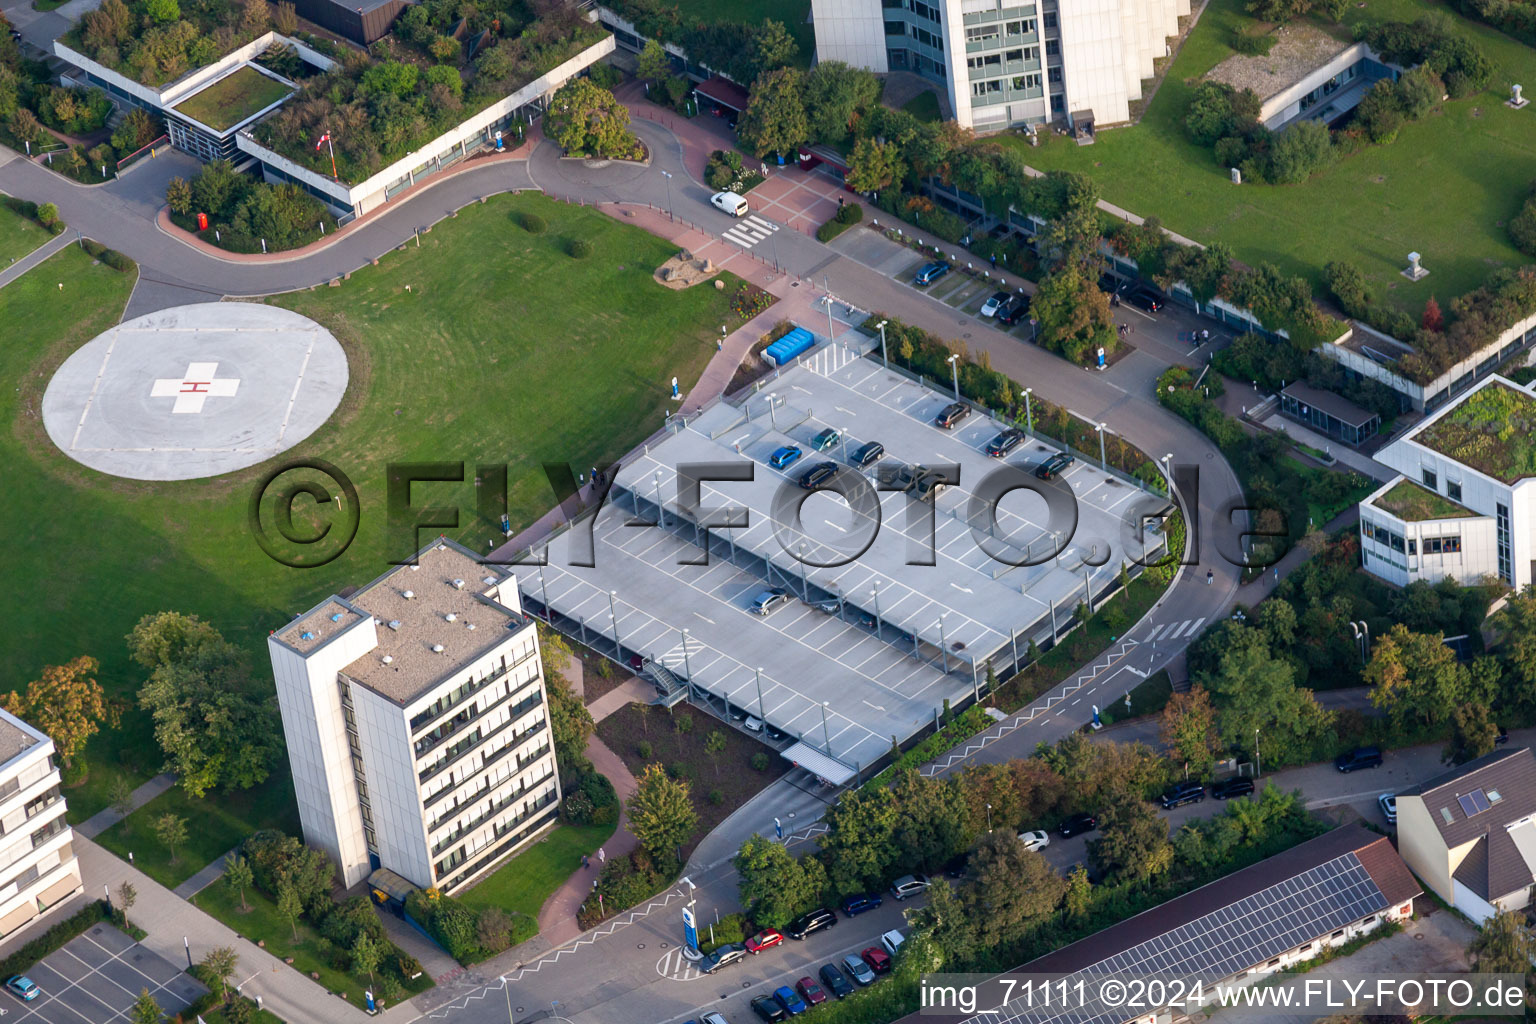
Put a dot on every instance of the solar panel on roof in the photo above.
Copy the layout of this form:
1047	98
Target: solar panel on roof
1473	803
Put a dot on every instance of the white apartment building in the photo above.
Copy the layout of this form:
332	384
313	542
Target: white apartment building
1465	504
1004	63
38	869
417	724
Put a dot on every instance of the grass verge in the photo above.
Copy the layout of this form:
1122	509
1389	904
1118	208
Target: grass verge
522	884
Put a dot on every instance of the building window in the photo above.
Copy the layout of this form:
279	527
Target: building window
1053	74
1050	19
1413	546
1053	48
1453	490
980	33
1430	480
895	28
1502	519
1022	28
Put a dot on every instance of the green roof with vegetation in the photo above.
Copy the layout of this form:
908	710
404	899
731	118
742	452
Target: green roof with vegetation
157	41
1492	431
233	98
1413	503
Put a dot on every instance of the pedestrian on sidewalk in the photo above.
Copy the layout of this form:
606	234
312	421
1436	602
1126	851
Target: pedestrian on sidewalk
602	855
994	262
585	862
1210	577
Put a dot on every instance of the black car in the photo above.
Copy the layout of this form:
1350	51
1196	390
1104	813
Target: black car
952	415
867	454
836	982
1005	442
1146	299
817	475
722	957
853	906
815	921
1078	823
777	735
1054	466
1503	736
1360	757
1014	311
1183	793
1231	788
768	1009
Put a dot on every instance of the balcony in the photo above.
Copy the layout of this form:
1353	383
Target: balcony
425	718
468	745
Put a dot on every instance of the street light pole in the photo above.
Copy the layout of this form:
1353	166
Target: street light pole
825	736
1167	461
943	644
757	674
544	593
687	667
874	592
1029	411
772	416
884	356
1258	766
668	176
614	615
1103	462
661	510
954	369
989	817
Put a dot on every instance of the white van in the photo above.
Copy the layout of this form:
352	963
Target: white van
731	203
892	941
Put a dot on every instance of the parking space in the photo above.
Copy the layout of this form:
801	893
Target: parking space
95	978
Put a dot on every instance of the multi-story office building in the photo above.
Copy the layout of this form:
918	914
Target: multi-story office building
38	869
416	721
1004	63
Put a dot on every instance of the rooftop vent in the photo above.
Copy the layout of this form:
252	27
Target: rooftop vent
490	581
437	648
458	584
306	635
441	546
388	659
471	625
336	617
407	594
394	623
451	617
415	567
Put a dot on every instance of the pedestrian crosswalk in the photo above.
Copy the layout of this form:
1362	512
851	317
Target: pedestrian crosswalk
750	230
1187	630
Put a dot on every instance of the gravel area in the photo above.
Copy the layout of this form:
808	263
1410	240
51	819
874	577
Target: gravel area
1301	50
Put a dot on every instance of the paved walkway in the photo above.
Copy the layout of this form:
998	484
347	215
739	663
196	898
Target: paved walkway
99	822
211	872
36	256
633	690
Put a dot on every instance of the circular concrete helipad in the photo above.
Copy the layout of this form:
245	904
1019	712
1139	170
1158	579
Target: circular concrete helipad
195	391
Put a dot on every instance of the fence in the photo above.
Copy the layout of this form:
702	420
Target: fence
136	154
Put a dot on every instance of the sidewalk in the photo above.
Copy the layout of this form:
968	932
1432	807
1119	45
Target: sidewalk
99	822
211	872
36	256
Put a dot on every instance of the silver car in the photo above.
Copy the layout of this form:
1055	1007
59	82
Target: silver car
767	600
858	970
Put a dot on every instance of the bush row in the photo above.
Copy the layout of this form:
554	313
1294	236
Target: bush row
46	215
111	257
846	217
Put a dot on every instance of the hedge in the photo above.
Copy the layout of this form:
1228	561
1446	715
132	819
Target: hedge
111	257
847	216
55	938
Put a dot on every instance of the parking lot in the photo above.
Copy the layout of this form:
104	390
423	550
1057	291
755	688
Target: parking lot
95	979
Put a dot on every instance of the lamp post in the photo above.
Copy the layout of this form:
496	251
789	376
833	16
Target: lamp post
686	667
614	615
831	331
1103	462
884	356
874	592
1167	461
943	644
825	735
842	438
1257	764
954	370
757	674
1362	633
989	817
668	176
1029	411
661	510
544	594
772	416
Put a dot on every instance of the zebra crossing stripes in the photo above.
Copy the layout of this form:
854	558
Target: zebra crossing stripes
1174	630
676	967
750	230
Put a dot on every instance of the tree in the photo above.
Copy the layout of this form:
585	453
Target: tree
67	703
1078	896
1013	889
391	78
1187	726
1473	733
661	814
931	822
653	63
127	895
774	121
171	830
714	746
1074	316
945	920
289	906
1503	946
835	95
237	875
770	48
774	886
585	119
120	797
145	1009
493	929
178	196
444	49
255	18
285	18
1254	692
874	165
367	953
860	843
162	11
1515	625
1133	841
219	965
1416	678
1299	151
1433	319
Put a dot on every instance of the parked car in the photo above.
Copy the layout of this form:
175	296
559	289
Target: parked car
765	939
815	921
1388	804
1016	309
818	475
909	885
952	415
752	724
812	993
867	454
892	941
858	970
1360	757
996	302
931	272
1502	738
723	957
1183	793
790	1000
766	601
1054	466
767	1008
783	458
730	202
1229	788
1005	442
713	1018
878	959
1076	824
1037	840
1146	299
777	735
825	439
23	988
853	906
835	980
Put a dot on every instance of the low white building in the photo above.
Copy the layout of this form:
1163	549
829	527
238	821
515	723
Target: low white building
1465	504
417	722
1004	64
38	869
1308	76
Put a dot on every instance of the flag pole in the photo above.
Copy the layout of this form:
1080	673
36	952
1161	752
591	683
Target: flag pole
331	145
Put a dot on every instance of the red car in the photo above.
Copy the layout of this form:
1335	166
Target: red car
765	939
811	992
878	959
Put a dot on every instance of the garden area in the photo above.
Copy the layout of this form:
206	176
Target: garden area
233	98
181	545
520	886
246	214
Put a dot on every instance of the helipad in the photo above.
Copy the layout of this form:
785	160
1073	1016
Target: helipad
195	391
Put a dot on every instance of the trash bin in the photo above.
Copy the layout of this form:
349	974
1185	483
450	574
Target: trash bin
202	222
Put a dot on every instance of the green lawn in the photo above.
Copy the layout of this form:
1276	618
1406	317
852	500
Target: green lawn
793	13
1444	188
233	98
924	106
505	349
522	884
263	923
18	236
216	824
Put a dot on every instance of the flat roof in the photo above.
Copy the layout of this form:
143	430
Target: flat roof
1491	429
16	736
1337	406
234	98
1299	50
1412	503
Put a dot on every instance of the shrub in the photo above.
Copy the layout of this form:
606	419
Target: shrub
716	797
580	249
679	771
1253	45
117	261
1522	227
644	749
48	217
533	223
760	762
850	213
